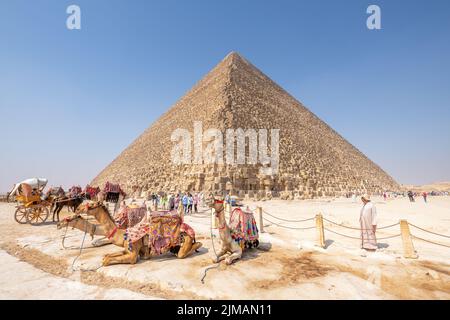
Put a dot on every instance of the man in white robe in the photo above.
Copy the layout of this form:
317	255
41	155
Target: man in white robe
368	221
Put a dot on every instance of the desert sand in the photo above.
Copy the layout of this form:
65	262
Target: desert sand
287	265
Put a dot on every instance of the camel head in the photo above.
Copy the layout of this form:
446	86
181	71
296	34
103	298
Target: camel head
93	208
69	221
88	207
217	204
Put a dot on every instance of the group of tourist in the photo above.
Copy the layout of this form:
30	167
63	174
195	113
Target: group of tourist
171	201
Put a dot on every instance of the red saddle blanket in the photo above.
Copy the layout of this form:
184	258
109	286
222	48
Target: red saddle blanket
115	188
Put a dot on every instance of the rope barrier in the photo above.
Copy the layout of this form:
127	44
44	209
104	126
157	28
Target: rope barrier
438	234
359	238
429	241
355	228
343	235
303	220
198	217
390	237
293	228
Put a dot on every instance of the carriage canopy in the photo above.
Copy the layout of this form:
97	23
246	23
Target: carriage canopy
34	183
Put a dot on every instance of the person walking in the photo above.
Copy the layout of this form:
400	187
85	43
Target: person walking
190	203
177	201
411	196
154	201
171	202
425	195
196	199
185	202
368	221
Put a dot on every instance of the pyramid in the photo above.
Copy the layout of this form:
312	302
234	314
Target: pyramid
314	160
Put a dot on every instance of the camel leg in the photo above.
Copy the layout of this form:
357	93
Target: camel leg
115	254
194	247
188	247
127	258
101	242
145	253
222	255
236	253
234	256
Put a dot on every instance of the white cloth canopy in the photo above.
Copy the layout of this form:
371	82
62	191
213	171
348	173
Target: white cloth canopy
35	183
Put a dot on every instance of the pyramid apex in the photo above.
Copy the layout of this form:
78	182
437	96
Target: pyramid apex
233	55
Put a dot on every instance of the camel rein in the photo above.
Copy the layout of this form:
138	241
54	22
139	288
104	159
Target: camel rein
215	253
81	248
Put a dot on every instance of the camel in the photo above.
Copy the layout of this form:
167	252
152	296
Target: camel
132	251
231	250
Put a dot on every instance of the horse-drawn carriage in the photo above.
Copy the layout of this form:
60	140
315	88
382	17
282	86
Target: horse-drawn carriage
31	208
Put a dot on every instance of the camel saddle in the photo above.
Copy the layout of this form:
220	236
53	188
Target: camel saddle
243	227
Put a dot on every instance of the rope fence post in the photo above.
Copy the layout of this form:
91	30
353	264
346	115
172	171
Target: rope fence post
408	247
320	231
261	222
213	219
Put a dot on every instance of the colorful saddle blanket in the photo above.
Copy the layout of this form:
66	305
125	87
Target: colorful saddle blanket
243	226
113	188
129	216
163	232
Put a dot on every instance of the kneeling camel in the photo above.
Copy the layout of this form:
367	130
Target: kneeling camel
132	251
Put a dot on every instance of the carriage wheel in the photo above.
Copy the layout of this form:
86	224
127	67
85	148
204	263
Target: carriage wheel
37	215
21	215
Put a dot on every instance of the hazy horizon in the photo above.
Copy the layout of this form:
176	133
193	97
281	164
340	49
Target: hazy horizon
72	100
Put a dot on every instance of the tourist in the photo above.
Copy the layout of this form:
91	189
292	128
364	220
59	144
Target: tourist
185	202
164	201
227	198
171	202
424	195
196	199
154	201
190	203
177	201
368	221
411	196
385	196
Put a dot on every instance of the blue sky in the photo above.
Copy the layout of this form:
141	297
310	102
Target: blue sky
71	101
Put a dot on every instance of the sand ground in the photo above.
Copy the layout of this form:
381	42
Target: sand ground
287	265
